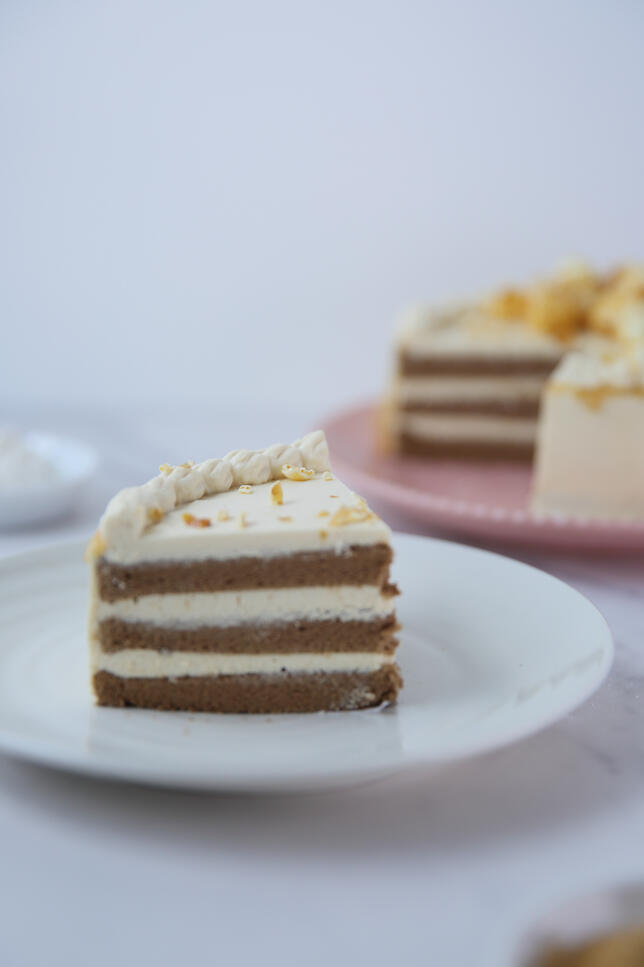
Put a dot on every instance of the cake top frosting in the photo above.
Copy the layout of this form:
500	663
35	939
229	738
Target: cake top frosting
292	515
133	511
572	301
598	365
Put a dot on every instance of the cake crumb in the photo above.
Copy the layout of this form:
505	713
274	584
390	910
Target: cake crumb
277	497
241	520
327	475
193	521
223	515
245	489
297	473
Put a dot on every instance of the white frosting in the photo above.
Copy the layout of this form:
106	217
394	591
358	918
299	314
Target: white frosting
596	368
261	606
264	534
590	460
143	663
452	389
464	427
127	515
465	330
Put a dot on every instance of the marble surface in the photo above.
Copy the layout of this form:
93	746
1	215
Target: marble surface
450	867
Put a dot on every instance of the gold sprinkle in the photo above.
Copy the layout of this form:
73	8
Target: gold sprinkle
245	489
350	515
277	496
285	520
337	496
223	515
165	468
193	521
155	514
323	513
241	520
297	473
324	535
188	464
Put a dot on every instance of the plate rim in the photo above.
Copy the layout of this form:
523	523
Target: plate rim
52	755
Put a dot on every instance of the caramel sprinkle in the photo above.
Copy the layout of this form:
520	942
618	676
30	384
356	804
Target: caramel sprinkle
193	521
323	513
297	473
223	515
285	520
155	514
350	515
277	496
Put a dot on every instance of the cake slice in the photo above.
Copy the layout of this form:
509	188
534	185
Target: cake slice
255	583
590	459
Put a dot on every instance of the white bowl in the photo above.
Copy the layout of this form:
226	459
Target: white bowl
76	465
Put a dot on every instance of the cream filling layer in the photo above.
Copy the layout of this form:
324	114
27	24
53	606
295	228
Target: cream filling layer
225	608
464	427
456	389
142	663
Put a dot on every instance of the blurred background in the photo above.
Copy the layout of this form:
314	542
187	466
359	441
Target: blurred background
211	203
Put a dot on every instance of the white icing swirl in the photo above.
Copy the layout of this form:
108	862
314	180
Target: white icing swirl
315	451
132	510
249	466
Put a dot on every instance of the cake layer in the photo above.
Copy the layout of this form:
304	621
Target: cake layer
509	408
143	663
359	565
275	638
257	694
414	446
475	365
345	602
463	389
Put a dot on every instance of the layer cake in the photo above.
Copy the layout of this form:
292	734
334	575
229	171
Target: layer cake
255	583
552	369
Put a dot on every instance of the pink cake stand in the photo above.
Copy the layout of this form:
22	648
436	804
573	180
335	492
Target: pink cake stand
474	499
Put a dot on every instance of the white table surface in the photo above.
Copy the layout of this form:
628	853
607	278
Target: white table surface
447	868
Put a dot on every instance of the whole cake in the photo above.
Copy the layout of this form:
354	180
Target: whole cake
554	369
255	583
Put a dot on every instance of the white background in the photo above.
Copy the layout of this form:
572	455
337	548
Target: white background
212	200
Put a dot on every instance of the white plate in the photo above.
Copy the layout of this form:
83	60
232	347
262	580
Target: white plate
76	465
492	650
